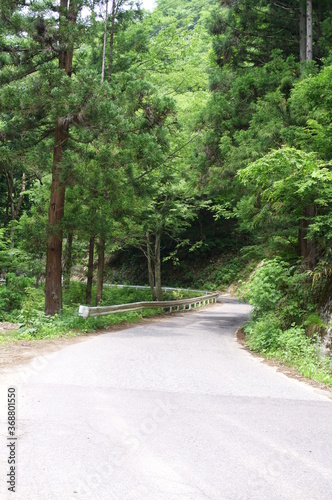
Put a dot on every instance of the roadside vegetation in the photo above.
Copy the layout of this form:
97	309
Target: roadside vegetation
26	310
284	324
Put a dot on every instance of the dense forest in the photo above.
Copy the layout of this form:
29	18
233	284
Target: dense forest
188	146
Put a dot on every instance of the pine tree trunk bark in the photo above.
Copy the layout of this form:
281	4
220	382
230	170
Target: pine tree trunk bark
90	271
150	266
309	31
100	271
157	271
53	288
53	285
303	46
68	261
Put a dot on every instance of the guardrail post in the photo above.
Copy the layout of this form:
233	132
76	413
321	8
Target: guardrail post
84	311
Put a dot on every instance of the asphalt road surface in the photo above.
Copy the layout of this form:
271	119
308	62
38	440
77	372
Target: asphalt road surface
173	409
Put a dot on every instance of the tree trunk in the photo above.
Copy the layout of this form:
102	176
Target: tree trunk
309	31
303	47
104	45
319	18
110	65
11	203
311	244
68	260
157	271
150	266
53	289
307	248
90	271
301	241
100	271
7	211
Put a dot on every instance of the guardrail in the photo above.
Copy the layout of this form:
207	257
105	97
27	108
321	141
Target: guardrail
210	297
164	288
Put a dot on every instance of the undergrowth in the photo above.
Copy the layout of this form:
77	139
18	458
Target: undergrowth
214	274
284	324
34	324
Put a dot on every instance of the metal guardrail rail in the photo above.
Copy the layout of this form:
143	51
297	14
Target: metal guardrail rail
210	297
164	288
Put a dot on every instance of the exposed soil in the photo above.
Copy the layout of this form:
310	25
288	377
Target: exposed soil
290	371
6	327
18	352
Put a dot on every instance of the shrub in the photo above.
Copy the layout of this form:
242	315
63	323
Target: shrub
13	293
263	333
282	297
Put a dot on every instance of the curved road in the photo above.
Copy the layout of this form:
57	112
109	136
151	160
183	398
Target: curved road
169	410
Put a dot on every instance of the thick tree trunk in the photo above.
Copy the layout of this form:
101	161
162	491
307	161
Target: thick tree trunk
90	271
157	271
150	266
303	46
53	288
100	270
68	260
309	31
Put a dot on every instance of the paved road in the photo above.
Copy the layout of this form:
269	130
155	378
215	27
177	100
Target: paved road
170	410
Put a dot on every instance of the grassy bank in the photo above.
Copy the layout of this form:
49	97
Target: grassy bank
33	324
284	324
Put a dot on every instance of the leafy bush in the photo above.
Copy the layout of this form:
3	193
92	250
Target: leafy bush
263	334
275	286
265	289
13	293
294	344
282	296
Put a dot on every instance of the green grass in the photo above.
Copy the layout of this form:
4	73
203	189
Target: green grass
33	324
